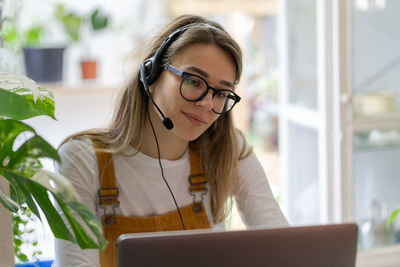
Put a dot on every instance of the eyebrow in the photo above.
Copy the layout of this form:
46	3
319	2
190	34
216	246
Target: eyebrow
205	75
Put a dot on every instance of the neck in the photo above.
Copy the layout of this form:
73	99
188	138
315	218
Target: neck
170	146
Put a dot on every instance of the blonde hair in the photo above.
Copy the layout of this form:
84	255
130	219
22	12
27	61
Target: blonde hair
218	146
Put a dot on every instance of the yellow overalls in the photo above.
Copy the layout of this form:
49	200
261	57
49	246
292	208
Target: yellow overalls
194	215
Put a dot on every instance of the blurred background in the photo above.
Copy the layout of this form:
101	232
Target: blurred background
320	91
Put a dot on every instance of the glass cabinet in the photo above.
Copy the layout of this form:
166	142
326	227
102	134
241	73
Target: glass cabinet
340	115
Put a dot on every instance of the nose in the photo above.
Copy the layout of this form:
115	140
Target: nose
207	101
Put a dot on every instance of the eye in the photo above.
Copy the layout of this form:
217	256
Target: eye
221	94
194	82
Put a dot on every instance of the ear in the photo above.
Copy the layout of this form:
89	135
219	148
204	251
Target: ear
151	88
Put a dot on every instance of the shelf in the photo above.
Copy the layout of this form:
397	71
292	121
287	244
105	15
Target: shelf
377	139
377	147
76	88
211	7
378	121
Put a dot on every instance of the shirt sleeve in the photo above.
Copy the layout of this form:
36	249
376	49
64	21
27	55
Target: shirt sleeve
256	203
79	166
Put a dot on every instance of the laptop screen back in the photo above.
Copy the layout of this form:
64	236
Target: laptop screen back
307	246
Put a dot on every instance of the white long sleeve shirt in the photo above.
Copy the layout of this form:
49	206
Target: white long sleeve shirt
142	191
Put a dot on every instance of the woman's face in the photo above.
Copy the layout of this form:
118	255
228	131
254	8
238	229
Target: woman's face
191	119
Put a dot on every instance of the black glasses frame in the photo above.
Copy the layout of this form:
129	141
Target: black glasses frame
184	75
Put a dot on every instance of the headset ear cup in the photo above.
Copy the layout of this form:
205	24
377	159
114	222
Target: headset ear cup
153	70
148	68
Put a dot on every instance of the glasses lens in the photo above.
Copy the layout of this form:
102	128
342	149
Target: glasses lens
224	101
193	88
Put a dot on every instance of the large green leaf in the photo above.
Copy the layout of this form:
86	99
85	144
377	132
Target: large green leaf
84	240
9	130
91	221
67	198
55	221
26	157
24	195
20	104
31	151
37	188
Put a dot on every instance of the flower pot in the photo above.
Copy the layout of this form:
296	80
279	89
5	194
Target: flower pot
89	69
44	64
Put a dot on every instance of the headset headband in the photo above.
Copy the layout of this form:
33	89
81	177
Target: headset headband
153	66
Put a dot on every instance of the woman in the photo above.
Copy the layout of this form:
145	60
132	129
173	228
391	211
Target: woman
171	158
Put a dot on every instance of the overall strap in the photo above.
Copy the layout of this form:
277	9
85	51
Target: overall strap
108	191
197	181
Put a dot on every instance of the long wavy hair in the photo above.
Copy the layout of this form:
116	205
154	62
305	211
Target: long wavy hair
218	146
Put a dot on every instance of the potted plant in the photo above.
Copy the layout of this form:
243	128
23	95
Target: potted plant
21	149
42	52
42	63
98	22
91	24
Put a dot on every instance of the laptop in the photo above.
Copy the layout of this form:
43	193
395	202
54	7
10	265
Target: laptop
332	245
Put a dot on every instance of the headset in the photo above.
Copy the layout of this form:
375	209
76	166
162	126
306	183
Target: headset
151	69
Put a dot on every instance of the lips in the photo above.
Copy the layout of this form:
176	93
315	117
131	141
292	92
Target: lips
193	118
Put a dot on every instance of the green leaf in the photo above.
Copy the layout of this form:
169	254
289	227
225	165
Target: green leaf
392	217
91	221
10	36
72	24
70	21
98	20
9	130
31	151
22	257
26	158
18	242
55	221
19	104
15	179
67	198
84	240
57	184
34	36
8	203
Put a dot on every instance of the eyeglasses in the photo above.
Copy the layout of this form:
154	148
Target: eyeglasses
193	88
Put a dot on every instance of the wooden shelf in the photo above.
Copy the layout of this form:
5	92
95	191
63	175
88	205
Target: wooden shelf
211	7
79	87
379	121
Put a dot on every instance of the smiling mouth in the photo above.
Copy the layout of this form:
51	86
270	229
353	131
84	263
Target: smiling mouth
193	119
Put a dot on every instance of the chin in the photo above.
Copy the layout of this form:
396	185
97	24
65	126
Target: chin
191	135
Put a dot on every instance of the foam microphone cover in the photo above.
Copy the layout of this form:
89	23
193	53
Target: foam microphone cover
168	123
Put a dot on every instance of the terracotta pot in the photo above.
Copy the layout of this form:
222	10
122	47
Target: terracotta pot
89	69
